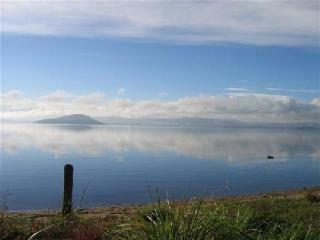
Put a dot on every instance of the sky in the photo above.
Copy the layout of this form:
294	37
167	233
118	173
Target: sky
246	60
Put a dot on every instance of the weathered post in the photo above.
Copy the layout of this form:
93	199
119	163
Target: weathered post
67	192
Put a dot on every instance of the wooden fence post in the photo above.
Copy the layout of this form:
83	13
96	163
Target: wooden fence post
67	192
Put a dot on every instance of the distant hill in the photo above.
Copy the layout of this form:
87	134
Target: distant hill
78	119
176	122
203	122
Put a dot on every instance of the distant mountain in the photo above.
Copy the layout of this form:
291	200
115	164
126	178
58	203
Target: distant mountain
202	122
77	119
176	122
80	119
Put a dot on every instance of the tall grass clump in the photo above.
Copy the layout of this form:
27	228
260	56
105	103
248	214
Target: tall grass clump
191	220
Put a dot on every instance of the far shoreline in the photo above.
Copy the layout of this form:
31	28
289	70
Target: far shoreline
291	194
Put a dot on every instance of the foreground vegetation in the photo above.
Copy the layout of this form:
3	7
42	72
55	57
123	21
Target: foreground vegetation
269	216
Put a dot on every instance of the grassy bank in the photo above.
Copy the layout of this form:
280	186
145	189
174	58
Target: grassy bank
281	215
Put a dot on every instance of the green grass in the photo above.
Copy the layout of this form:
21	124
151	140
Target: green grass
197	219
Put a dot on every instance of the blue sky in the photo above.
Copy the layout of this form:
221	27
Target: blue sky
252	61
38	65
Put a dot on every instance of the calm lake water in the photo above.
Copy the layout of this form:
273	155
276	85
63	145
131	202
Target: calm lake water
117	164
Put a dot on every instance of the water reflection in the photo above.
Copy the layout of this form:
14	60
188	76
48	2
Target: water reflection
115	164
234	145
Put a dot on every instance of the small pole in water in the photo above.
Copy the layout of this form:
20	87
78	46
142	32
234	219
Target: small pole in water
67	192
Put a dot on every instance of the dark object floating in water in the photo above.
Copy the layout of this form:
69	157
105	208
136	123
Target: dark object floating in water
270	157
77	119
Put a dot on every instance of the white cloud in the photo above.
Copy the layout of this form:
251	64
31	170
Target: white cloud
316	102
250	22
57	96
121	91
237	89
15	101
241	106
91	98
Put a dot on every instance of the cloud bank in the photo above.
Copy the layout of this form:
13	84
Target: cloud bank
288	23
249	107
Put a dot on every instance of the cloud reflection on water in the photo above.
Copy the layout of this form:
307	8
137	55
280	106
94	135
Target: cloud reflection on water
235	145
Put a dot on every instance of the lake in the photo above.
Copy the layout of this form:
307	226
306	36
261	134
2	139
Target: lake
123	164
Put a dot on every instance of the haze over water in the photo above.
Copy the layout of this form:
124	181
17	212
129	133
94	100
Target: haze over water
117	164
